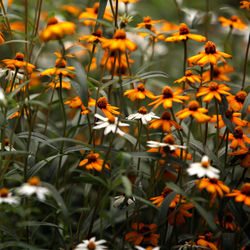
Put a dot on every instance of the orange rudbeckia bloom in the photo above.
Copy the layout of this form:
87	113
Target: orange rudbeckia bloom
139	93
195	111
189	77
213	90
213	186
95	37
185	34
93	162
60	69
242	195
1	37
206	241
57	30
143	234
164	122
168	97
19	63
119	43
209	55
91	13
234	22
56	84
106	108
218	73
71	9
128	1
238	139
236	102
245	4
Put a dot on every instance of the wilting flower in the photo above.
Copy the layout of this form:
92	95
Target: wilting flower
209	55
168	97
234	22
218	73
19	63
242	195
91	244
143	233
142	115
195	111
184	34
238	139
123	201
236	102
106	108
33	186
6	197
110	124
57	30
139	93
164	122
93	162
213	90
245	4
203	168
95	37
119	43
189	78
213	186
206	241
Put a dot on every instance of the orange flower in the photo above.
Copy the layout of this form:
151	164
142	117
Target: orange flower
234	22
128	1
195	111
17	26
245	4
60	69
119	42
227	222
19	63
213	90
213	186
242	195
56	30
164	122
139	93
168	97
92	162
234	117
236	102
143	233
167	26
189	78
218	73
238	139
209	55
72	9
95	37
1	37
205	241
184	34
106	108
77	103
56	84
91	13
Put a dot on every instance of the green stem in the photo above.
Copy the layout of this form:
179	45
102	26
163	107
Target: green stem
245	64
185	61
217	129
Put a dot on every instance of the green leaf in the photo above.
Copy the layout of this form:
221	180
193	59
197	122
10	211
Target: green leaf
101	11
19	244
89	178
37	224
127	185
245	106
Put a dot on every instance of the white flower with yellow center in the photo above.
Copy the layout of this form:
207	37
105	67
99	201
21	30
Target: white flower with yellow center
6	197
203	168
110	124
33	187
91	244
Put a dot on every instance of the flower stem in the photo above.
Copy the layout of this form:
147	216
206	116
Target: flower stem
245	64
218	129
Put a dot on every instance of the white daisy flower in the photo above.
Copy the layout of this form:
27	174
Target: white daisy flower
33	187
110	124
9	74
143	116
91	244
6	197
156	144
7	146
122	201
203	168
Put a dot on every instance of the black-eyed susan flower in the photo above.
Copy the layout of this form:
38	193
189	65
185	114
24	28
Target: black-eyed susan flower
158	200
189	77
185	34
139	93
57	30
209	55
236	101
234	22
93	162
143	234
164	122
168	97
227	222
213	90
195	111
119	43
207	241
106	108
6	197
95	37
242	195
56	84
245	4
238	139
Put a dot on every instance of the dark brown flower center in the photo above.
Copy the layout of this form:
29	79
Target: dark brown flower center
166	116
91	245
216	72
246	189
60	63
167	92
238	132
213	86
234	18
145	230
229	218
210	48
4	192
96	8
229	113
102	103
6	142
183	29
188	73
19	56
241	96
143	110
169	139
92	158
193	105
120	34
97	33
52	20
141	87
166	191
